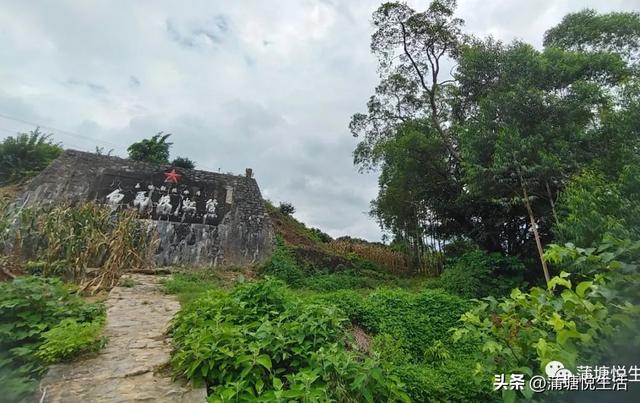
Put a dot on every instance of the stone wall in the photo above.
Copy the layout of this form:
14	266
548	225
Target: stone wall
199	217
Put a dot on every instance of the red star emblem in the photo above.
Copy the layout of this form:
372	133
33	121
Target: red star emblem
172	176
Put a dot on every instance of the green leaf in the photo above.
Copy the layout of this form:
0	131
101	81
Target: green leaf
277	383
265	361
582	288
508	396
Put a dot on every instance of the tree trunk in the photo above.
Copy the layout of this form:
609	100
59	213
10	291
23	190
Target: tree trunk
553	204
534	227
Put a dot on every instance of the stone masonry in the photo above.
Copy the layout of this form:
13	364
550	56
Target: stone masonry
199	217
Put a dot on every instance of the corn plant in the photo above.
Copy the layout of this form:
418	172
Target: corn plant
67	240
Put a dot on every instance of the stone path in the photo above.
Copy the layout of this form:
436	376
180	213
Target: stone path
134	366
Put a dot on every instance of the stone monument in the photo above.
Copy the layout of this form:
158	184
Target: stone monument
199	217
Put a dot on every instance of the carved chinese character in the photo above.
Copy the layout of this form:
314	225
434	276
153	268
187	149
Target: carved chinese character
211	210
164	206
142	202
114	198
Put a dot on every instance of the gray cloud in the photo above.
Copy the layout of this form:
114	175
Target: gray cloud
239	84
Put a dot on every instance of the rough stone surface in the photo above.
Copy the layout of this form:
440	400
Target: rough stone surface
234	229
133	367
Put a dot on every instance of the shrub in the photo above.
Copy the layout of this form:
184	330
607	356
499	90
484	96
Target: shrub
417	320
183	162
478	273
70	338
25	155
586	315
261	343
592	207
29	307
319	235
286	208
282	265
338	281
450	382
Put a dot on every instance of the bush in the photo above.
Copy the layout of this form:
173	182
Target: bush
412	340
25	155
417	320
319	235
260	342
478	273
29	308
69	339
450	382
592	207
183	162
585	315
286	208
282	265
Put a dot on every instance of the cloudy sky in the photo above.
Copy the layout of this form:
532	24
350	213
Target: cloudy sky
264	84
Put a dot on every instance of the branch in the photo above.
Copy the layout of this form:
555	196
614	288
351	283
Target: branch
413	62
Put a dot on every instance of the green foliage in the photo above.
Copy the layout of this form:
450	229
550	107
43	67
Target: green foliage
286	208
25	155
586	315
183	162
282	265
416	319
189	286
319	235
259	342
593	207
338	281
450	382
513	117
587	30
29	308
477	274
412	341
69	339
155	149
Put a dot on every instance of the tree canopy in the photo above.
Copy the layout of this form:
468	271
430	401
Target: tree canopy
475	138
183	162
25	155
155	149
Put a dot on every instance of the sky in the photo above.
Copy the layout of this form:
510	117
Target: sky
269	85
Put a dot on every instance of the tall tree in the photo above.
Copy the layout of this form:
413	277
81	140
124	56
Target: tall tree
155	149
483	154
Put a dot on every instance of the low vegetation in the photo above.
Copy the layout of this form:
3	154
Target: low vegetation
42	321
260	342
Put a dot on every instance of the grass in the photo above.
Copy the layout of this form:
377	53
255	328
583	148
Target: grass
188	286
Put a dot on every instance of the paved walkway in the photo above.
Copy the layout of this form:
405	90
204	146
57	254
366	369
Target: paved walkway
134	366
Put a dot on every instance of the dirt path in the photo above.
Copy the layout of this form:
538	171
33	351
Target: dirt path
133	367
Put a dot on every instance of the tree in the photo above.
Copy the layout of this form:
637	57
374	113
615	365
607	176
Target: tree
286	208
484	155
155	149
183	162
25	155
593	207
617	32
